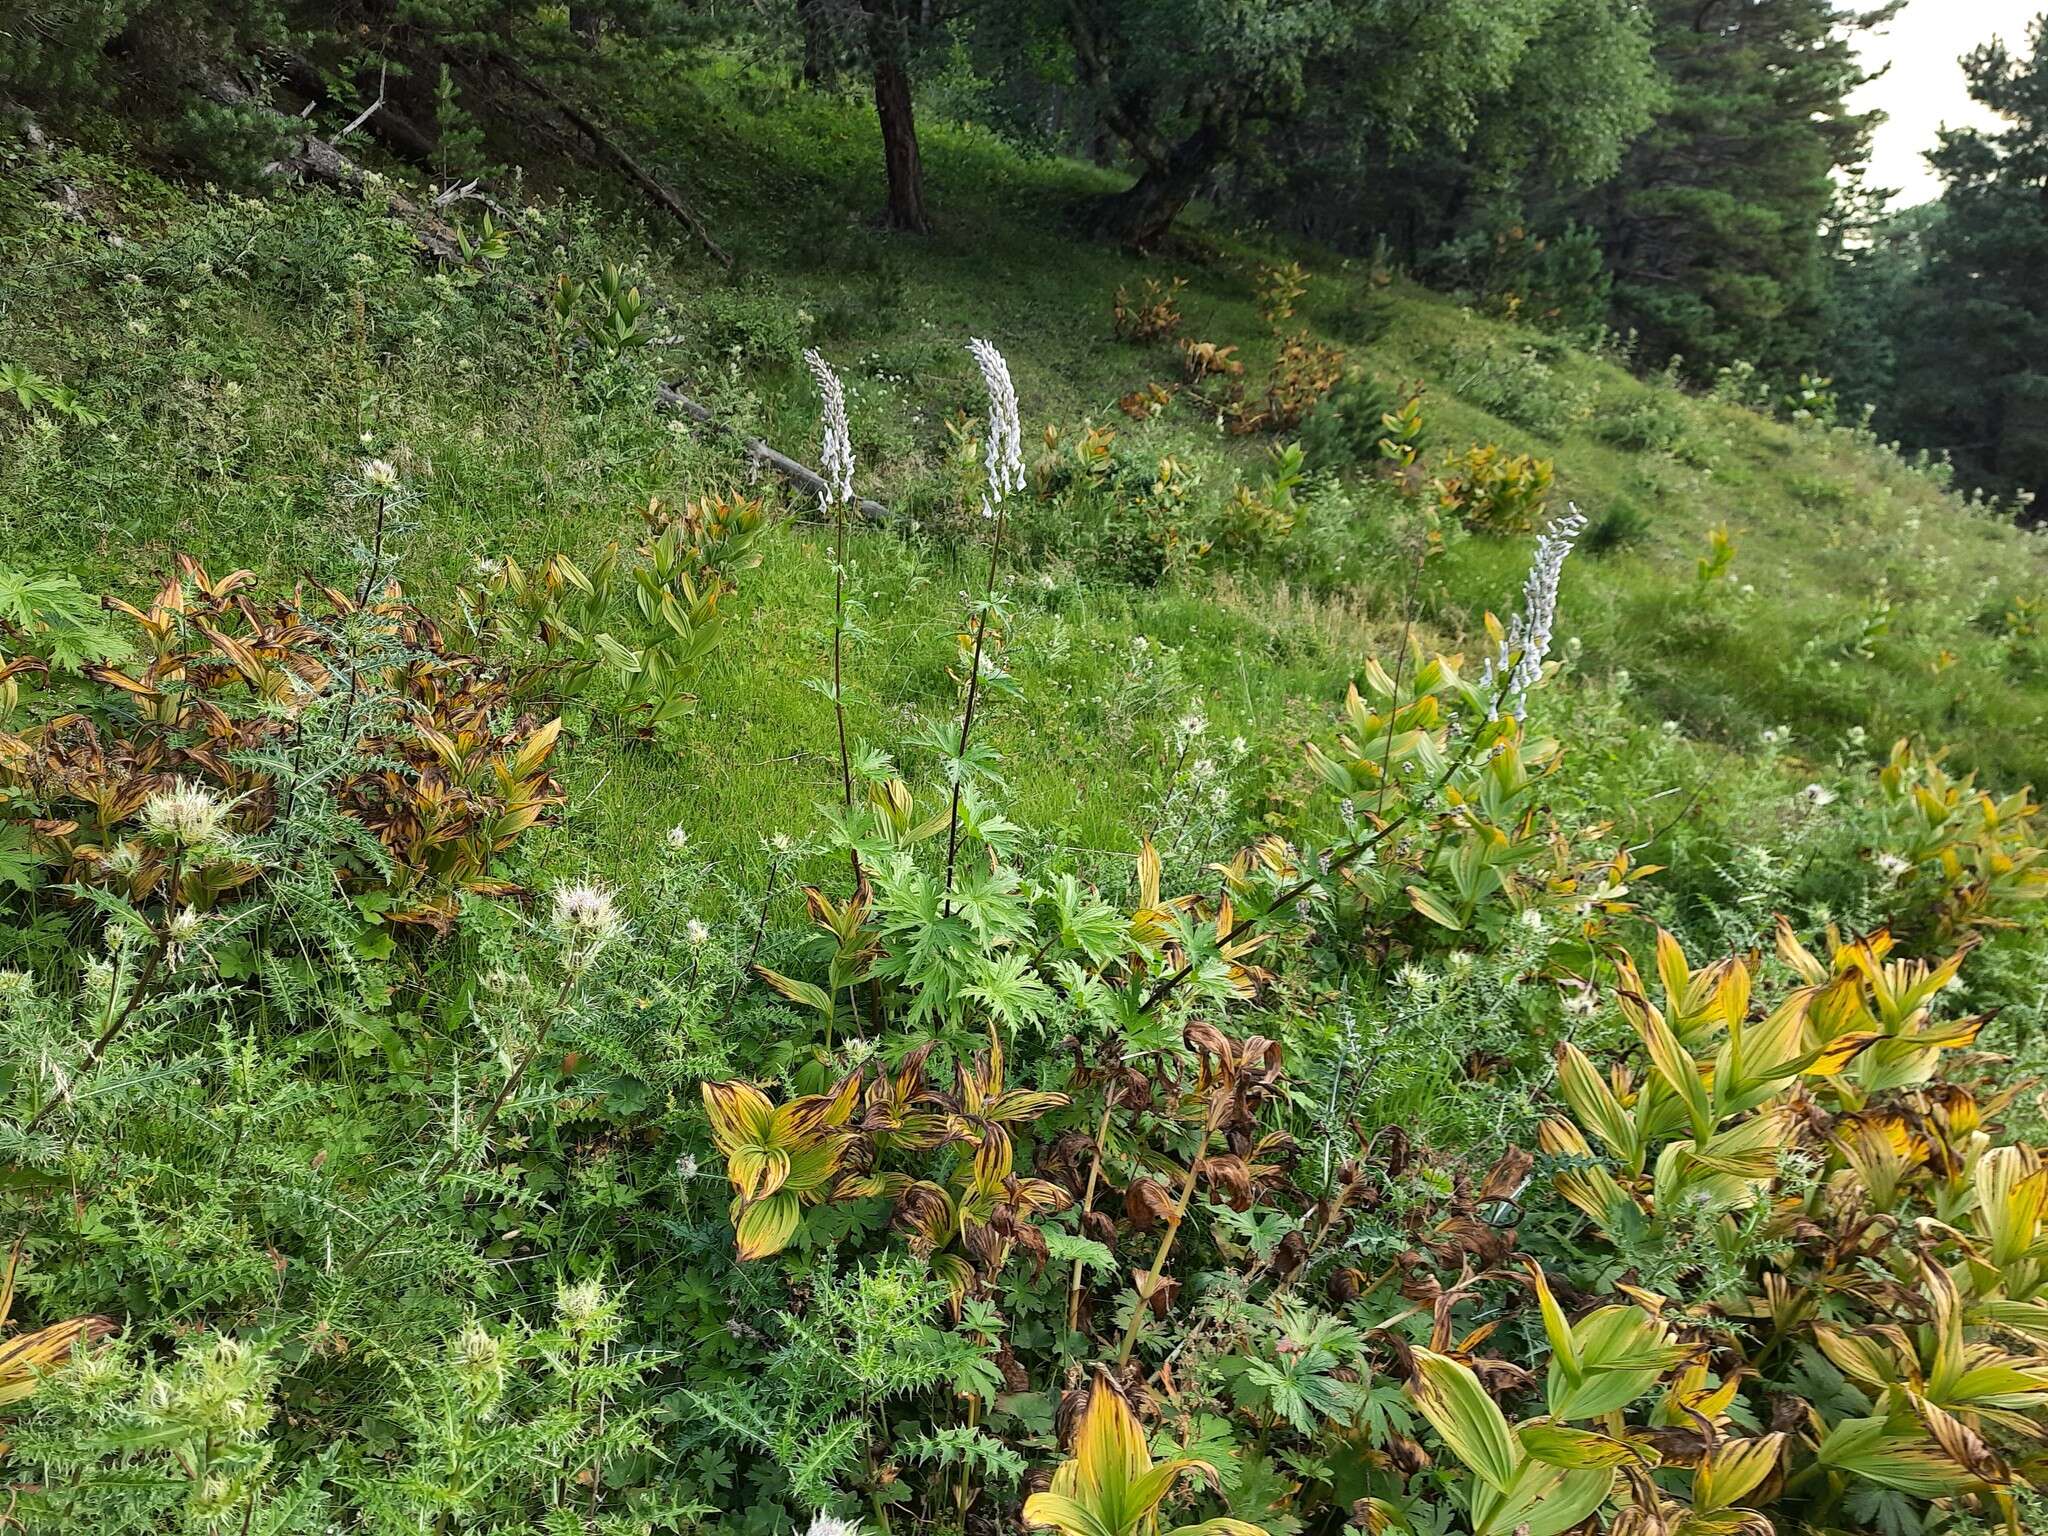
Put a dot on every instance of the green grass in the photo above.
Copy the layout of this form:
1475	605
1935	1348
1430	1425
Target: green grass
245	354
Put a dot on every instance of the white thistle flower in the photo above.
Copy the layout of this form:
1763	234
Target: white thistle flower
185	816
836	457
580	1304
587	912
380	474
1005	452
185	926
1518	666
678	838
696	932
1892	867
1817	795
823	1524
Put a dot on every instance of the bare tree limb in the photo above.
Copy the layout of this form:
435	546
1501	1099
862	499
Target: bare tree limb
798	474
317	158
612	150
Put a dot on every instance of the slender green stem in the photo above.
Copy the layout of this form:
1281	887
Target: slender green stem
1219	1099
995	550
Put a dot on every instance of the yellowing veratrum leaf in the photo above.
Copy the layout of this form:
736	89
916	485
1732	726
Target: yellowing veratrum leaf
1541	1501
740	1114
1470	1422
1560	1445
766	1226
1564	1349
1599	1111
1733	1469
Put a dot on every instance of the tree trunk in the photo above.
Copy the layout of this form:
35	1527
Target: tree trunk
1140	215
887	44
820	62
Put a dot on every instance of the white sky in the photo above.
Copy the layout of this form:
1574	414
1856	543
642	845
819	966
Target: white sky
1924	89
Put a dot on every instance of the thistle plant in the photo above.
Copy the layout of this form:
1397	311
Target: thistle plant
835	501
1518	665
1004	459
585	919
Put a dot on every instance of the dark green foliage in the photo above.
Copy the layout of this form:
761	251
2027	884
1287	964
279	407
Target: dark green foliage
1972	322
1715	224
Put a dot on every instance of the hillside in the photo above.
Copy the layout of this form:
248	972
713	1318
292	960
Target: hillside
276	378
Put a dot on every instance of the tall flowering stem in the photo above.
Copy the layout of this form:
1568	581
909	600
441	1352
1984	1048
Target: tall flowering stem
1510	675
836	501
1518	666
1004	459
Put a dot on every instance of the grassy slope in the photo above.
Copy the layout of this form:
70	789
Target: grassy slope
240	355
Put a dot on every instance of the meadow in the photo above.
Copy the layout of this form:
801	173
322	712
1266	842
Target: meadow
498	1039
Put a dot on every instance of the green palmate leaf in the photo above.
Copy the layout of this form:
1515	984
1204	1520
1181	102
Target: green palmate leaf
1469	1421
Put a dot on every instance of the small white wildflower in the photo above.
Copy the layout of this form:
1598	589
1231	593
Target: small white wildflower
780	842
1621	679
16	987
187	815
1415	978
380	474
1670	727
1892	867
488	566
1239	746
1817	795
1532	919
1769	736
185	926
368	439
696	932
678	837
1856	736
1201	770
823	1524
686	1166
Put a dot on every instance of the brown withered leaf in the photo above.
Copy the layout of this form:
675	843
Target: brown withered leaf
1231	1177
1148	1204
1509	1173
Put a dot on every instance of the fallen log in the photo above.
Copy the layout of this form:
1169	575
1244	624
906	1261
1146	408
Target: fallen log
797	474
321	161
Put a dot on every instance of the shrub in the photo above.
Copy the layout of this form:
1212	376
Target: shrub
211	685
1152	316
1491	491
1345	429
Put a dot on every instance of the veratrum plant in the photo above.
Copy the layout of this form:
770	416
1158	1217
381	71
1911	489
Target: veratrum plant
216	687
1544	1475
1974	858
1879	1255
1111	1487
642	618
778	1159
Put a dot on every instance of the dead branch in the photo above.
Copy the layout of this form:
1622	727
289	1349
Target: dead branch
616	153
